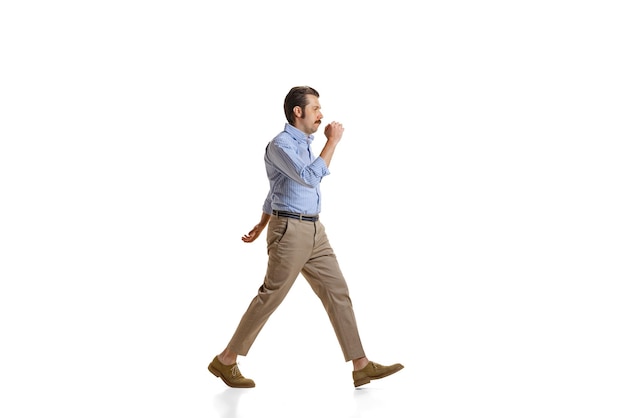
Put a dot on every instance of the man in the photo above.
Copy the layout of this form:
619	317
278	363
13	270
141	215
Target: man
297	242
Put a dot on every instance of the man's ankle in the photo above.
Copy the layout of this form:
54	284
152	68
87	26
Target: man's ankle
359	363
227	360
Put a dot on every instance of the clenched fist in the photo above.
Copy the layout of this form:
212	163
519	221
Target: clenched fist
334	131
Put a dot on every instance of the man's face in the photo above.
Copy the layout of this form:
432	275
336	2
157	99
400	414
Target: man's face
311	118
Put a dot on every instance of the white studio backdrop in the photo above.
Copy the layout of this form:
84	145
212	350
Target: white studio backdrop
475	203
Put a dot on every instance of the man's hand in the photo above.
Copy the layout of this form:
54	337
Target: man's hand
334	132
253	234
258	228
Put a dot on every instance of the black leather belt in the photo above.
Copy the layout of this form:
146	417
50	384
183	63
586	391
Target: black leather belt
310	218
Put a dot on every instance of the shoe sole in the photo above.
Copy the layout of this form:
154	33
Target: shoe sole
368	379
218	374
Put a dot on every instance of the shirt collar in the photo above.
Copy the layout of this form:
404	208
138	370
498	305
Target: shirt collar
297	134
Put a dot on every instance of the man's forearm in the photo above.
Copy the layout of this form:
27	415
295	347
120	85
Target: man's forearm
328	151
333	132
265	218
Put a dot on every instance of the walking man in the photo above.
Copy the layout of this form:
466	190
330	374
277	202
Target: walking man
297	242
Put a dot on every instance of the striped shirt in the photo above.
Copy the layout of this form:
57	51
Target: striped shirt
294	173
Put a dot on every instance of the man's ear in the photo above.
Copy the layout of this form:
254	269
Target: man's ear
297	111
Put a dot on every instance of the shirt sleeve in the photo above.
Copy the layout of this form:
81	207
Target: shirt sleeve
283	154
267	205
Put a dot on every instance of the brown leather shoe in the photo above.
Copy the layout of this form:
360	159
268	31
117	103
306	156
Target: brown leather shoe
374	371
230	374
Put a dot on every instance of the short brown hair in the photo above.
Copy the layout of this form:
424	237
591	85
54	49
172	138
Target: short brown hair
297	97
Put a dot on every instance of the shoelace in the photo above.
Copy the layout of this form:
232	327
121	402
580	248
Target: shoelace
235	371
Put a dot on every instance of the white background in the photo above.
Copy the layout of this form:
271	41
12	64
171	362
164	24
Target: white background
476	204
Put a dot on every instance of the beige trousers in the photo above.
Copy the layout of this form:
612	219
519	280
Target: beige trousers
295	247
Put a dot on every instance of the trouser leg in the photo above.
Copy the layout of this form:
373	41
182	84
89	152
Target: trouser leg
326	279
289	246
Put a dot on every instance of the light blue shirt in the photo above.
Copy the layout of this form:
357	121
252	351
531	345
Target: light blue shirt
294	173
